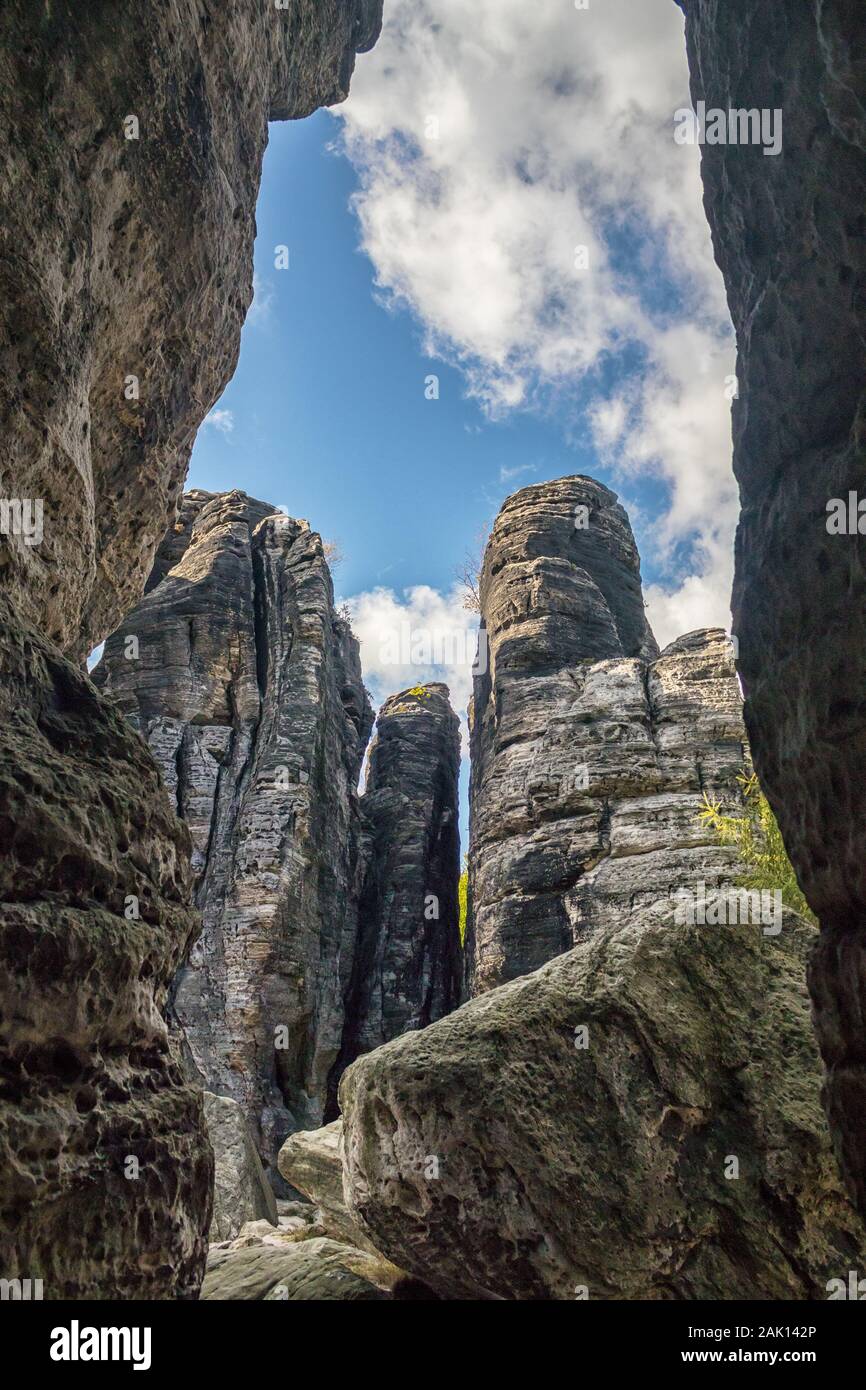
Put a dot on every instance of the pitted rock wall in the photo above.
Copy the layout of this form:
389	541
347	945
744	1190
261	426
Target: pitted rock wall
789	234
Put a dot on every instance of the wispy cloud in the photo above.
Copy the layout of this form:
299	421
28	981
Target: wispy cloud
508	475
222	420
260	310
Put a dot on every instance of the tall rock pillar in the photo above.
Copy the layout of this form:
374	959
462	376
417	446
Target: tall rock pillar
408	959
247	686
590	751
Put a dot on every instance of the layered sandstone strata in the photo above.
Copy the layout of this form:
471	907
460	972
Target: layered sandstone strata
408	963
591	752
247	687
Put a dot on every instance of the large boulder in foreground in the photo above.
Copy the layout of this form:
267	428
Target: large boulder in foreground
492	1155
241	1189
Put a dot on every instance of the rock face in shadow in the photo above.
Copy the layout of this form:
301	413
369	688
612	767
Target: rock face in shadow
134	141
105	1168
408	967
247	687
590	752
638	1119
789	234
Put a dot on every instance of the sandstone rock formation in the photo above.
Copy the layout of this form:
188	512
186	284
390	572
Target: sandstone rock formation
310	1271
105	1170
126	256
788	233
408	966
132	153
493	1154
590	752
639	1118
247	687
242	1192
311	1161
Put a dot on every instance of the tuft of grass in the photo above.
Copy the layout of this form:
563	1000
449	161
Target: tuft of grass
758	840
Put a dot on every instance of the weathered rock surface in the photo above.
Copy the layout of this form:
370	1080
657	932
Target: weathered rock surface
242	1192
311	1270
105	1169
132	147
297	1221
127	258
311	1161
408	966
590	752
788	233
609	1167
676	1148
247	687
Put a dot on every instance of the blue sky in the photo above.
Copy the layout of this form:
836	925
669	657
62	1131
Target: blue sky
329	415
432	224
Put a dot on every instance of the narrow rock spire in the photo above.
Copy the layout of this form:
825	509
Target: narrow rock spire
408	960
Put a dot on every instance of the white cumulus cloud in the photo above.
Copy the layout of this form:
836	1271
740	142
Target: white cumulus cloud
417	635
522	193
